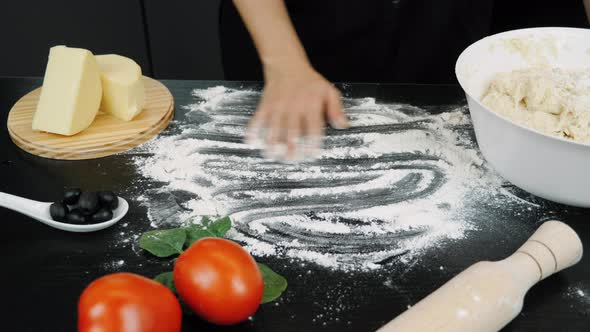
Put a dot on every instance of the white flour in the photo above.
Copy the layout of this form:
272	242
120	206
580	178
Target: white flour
579	294
398	182
116	265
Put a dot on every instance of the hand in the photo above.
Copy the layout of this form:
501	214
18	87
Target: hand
291	115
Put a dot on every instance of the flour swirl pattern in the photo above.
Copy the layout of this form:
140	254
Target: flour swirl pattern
394	181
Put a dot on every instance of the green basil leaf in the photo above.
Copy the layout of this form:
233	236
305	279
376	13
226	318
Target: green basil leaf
166	279
190	222
274	284
194	235
193	224
163	243
193	227
205	221
220	226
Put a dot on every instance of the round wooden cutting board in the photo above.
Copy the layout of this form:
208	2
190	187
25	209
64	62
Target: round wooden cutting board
106	136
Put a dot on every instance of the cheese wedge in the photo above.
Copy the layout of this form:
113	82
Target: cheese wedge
123	92
71	92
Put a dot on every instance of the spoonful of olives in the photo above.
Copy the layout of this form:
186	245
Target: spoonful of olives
78	211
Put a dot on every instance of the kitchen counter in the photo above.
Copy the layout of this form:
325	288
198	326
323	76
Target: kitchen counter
45	270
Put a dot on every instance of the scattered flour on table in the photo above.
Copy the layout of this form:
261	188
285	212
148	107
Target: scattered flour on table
579	293
398	182
115	265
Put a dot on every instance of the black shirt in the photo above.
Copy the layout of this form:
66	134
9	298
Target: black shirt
404	41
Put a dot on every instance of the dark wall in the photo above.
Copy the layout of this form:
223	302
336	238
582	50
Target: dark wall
177	39
184	40
518	14
169	39
28	28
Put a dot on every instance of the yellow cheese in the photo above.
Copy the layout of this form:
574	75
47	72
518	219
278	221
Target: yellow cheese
123	93
71	92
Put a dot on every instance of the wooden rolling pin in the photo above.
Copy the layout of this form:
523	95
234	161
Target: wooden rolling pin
488	295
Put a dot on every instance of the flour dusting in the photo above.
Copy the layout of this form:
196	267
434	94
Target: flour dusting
579	294
400	181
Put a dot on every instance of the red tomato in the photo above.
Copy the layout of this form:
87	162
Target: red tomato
219	281
126	302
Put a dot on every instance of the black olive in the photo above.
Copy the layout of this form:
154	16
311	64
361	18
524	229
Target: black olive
88	203
71	196
58	211
102	215
108	200
76	217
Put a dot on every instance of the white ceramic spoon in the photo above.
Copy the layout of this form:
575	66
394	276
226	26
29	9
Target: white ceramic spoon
40	211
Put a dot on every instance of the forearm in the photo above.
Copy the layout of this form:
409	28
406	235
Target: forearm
273	33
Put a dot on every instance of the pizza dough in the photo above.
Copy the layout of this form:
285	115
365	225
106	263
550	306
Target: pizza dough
551	100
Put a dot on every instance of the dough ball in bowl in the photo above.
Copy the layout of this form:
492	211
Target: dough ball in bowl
536	136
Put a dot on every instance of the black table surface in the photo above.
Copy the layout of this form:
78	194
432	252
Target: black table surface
44	270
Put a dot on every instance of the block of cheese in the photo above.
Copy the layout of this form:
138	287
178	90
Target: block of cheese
71	92
123	93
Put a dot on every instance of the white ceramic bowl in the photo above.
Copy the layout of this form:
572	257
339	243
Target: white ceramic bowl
547	166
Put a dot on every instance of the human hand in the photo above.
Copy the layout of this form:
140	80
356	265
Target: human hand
292	112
